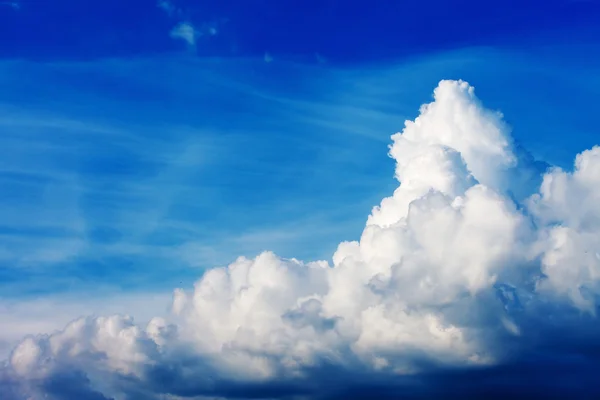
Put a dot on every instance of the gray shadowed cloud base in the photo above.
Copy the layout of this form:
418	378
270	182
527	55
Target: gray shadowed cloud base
477	278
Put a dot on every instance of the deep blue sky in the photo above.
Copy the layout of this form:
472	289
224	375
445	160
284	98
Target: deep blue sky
132	160
341	31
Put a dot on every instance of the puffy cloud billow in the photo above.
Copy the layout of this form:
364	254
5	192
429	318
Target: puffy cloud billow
479	277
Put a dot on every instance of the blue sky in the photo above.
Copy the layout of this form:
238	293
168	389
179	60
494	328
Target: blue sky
133	156
124	149
354	31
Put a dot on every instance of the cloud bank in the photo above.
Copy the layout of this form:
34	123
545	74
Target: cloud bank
478	276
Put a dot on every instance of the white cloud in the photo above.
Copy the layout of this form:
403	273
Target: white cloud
185	31
450	272
46	316
568	205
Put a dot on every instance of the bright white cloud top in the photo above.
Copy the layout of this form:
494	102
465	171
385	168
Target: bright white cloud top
473	262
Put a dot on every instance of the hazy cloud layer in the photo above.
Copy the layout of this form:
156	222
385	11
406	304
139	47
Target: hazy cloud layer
478	275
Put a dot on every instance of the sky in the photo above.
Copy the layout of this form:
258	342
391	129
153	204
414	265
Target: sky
187	195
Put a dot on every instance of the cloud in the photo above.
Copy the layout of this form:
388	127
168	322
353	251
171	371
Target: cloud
186	32
168	8
189	33
53	312
12	4
478	275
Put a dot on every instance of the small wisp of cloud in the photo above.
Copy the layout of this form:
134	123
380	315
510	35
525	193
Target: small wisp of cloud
12	4
186	32
168	7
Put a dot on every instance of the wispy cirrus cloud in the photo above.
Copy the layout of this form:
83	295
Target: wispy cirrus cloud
93	182
94	195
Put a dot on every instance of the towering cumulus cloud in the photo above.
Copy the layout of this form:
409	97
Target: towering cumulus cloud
478	276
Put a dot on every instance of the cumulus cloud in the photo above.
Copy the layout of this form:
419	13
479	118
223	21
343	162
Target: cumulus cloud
478	275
